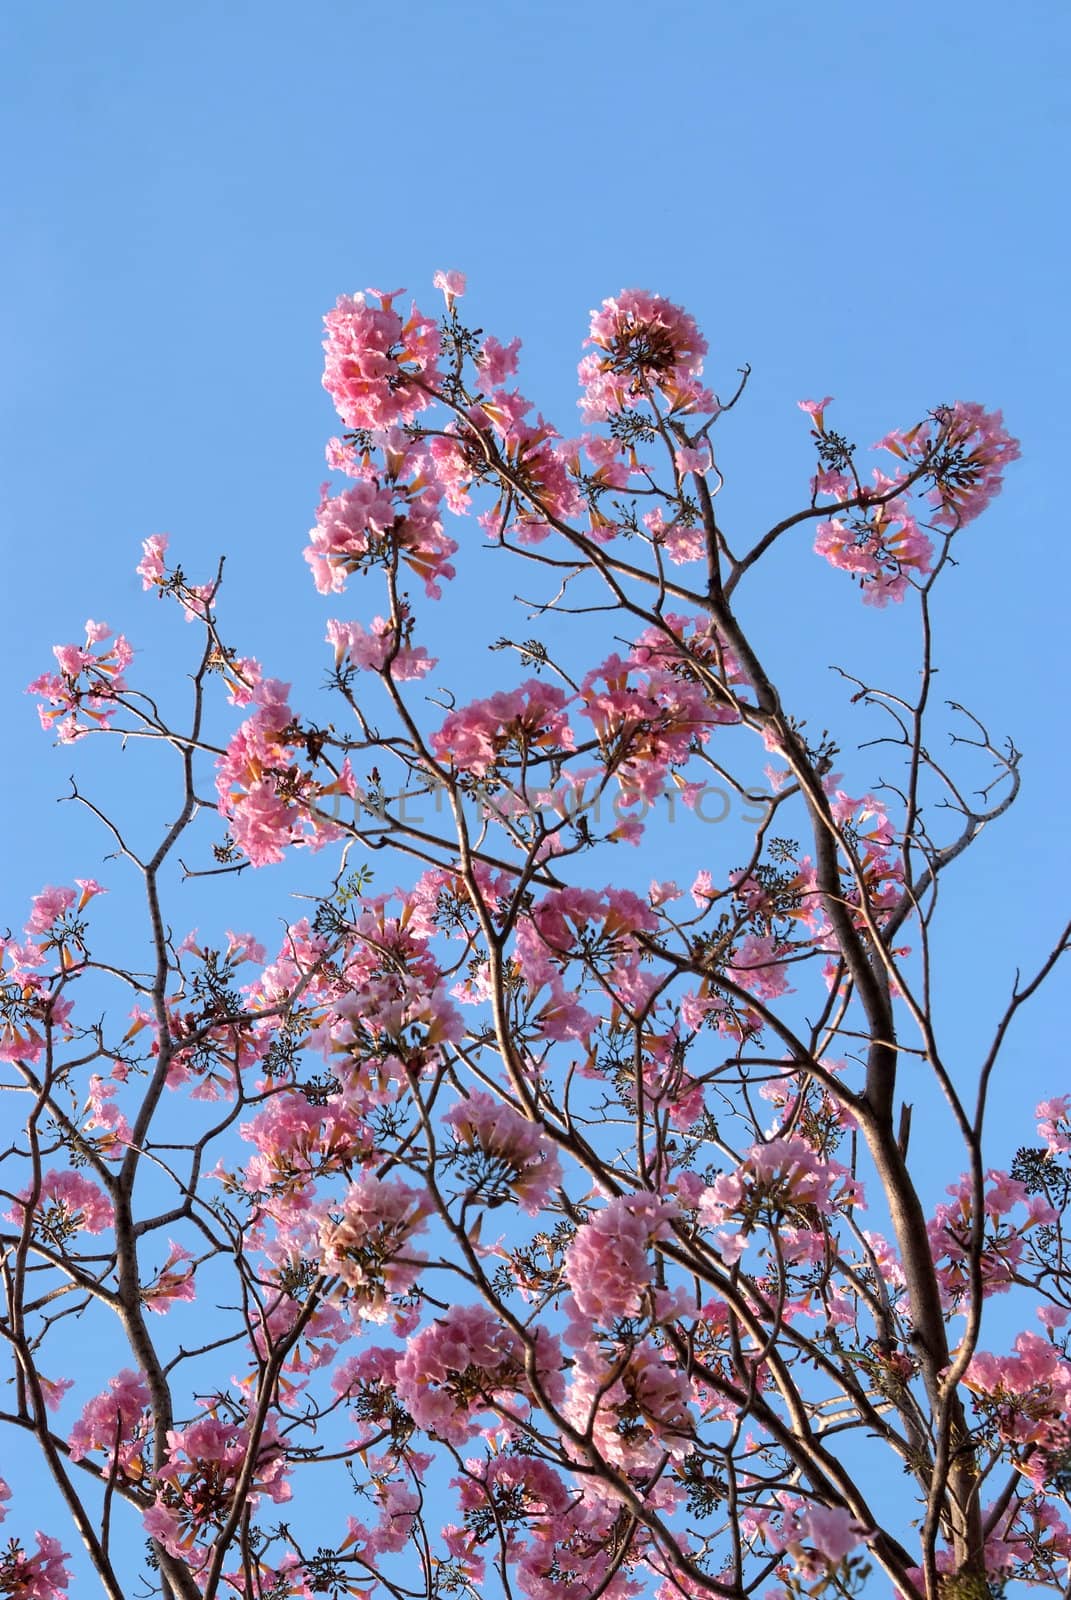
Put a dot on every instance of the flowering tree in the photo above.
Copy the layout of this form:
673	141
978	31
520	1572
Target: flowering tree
568	1229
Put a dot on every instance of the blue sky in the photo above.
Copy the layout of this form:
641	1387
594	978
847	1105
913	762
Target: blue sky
857	200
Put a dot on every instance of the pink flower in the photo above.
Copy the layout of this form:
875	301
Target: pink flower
53	1390
173	1282
368	1245
452	285
89	887
974	448
38	1577
815	409
881	551
1055	1124
469	1362
497	361
115	1422
377	365
529	719
67	1201
833	1531
699	460
638	1412
48	907
642	342
369	649
608	1264
518	1155
152	569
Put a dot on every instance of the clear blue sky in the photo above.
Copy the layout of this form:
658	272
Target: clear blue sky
857	200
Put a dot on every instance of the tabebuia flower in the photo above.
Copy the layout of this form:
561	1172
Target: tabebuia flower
1025	1401
469	1362
608	1264
642	342
497	361
973	449
87	685
117	1422
1055	1124
637	1409
48	907
378	649
267	794
776	1181
819	1537
374	358
386	516
880	543
197	1480
66	1204
366	1242
174	1281
520	723
41	1576
452	285
515	1156
1004	1243
523	1501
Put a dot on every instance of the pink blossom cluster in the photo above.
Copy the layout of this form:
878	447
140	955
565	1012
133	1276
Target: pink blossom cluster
1055	1124
196	1483
390	1023
692	648
819	1537
497	361
637	1411
30	1008
526	723
378	365
398	1504
385	517
608	1264
597	927
87	686
195	598
1026	1399
66	1201
366	1242
378	649
519	1154
538	467
647	720
882	548
642	343
41	1576
174	1282
106	1120
367	1382
979	449
1004	1244
521	1495
681	541
874	846
777	1178
548	1528
297	1141
970	448
117	1422
468	1362
265	794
